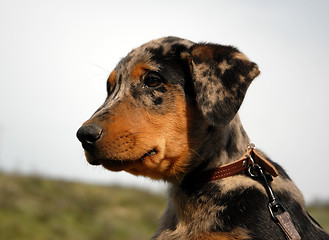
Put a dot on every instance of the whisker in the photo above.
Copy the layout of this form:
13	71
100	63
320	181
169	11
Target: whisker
197	154
102	68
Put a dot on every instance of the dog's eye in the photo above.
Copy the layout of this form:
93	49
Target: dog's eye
152	80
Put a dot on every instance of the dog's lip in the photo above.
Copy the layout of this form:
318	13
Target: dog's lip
119	165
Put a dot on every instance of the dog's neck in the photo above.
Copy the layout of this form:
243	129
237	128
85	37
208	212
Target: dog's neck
232	145
221	146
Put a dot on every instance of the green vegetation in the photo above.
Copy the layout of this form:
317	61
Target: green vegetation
35	208
320	212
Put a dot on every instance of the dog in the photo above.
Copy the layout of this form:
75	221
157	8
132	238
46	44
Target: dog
171	114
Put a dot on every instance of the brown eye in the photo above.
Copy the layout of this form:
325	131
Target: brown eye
152	81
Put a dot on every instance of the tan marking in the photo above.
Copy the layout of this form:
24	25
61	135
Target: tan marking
111	78
132	131
172	144
223	66
139	70
239	181
203	52
237	234
254	72
240	56
181	232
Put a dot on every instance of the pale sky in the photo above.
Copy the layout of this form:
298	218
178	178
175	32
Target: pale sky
55	57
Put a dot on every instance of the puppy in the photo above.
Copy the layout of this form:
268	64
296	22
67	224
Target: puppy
171	114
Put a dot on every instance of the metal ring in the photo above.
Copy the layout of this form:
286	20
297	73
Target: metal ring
253	167
251	146
250	173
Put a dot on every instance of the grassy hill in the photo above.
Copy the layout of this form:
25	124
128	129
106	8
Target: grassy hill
35	208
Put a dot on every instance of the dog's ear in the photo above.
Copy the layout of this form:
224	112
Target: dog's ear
221	76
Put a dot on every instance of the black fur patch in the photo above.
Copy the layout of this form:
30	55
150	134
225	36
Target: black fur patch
158	101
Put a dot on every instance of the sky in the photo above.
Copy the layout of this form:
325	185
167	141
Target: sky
55	57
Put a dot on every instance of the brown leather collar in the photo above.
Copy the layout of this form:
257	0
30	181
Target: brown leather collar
250	157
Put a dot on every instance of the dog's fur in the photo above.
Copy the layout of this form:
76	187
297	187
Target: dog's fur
171	111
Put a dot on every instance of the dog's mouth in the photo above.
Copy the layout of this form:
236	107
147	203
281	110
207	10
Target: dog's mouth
114	164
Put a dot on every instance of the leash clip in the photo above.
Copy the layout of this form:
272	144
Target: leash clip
274	208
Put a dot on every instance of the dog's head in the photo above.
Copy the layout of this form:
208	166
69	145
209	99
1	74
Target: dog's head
162	98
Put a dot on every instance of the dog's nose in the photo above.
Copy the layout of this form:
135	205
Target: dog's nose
88	135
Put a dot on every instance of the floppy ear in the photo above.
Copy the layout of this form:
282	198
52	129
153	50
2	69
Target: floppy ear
221	76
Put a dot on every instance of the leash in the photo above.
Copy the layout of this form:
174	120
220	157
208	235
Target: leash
257	167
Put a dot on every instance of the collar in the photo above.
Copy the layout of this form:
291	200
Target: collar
248	160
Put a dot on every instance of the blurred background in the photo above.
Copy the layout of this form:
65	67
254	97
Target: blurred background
55	57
